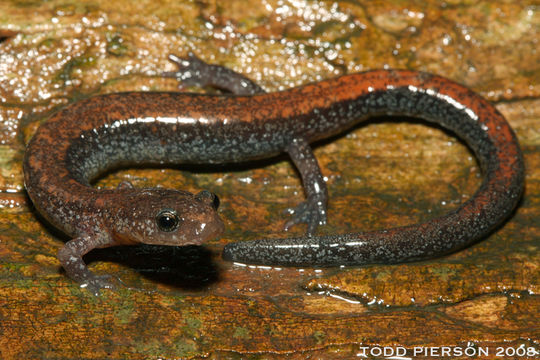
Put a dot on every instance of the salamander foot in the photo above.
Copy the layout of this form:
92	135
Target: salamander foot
311	212
97	282
192	71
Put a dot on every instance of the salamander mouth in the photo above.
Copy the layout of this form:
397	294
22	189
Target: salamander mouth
209	230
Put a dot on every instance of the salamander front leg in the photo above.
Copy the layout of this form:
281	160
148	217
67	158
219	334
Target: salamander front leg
313	210
71	258
192	71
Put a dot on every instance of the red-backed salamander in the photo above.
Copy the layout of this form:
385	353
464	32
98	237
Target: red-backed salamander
86	138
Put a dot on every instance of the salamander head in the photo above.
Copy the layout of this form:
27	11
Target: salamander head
166	217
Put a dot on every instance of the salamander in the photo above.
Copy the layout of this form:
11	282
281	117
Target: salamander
88	137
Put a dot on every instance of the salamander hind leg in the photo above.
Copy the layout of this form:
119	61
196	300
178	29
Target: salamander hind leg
70	255
313	210
192	71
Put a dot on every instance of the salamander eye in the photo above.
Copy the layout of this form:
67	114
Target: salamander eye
167	220
215	203
208	197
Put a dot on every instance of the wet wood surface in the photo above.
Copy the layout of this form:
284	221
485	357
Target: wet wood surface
187	303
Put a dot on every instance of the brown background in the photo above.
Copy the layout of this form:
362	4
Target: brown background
188	303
